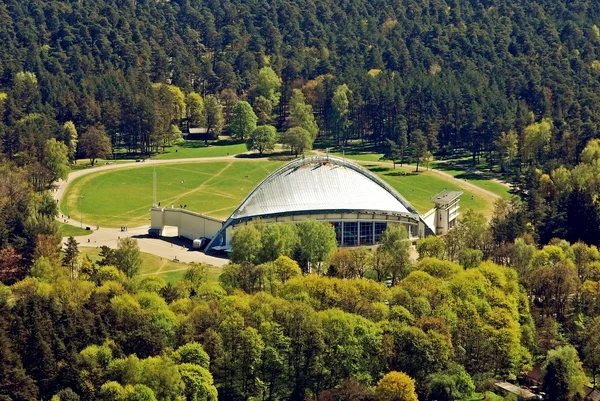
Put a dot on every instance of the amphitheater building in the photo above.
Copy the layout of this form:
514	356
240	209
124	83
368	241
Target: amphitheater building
358	204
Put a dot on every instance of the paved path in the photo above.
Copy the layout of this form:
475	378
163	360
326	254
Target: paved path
172	247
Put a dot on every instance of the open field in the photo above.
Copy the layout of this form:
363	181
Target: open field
191	149
155	265
123	197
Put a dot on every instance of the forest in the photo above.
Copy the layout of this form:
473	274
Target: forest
512	85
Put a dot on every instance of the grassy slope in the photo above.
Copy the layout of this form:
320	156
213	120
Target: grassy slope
123	197
67	230
151	264
457	171
419	188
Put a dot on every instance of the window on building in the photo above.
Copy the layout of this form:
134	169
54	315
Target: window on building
350	233
379	229
366	233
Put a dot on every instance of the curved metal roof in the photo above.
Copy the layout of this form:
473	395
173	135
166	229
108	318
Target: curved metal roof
322	184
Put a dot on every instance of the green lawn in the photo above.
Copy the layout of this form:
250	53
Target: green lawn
67	230
419	188
123	197
155	265
191	149
368	157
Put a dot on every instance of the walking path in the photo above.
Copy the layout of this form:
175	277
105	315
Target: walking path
170	247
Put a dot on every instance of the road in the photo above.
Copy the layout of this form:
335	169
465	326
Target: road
171	247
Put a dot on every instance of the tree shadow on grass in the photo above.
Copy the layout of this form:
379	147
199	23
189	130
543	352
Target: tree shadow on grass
377	169
274	156
402	173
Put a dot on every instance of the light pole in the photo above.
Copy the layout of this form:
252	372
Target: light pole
81	214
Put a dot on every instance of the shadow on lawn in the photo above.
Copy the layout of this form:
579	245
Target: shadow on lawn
402	173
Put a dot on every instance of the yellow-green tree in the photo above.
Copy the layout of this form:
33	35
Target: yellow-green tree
396	386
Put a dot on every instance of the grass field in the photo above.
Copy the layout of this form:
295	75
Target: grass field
191	149
155	265
419	188
123	197
67	230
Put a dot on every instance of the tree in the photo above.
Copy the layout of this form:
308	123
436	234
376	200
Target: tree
243	121
536	141
71	255
564	377
70	139
395	243
264	110
316	242
15	384
431	246
268	85
56	160
396	386
128	256
297	139
214	116
195	110
286	268
301	114
245	244
392	152
420	146
340	109
198	383
95	144
507	148
279	239
263	139
592	348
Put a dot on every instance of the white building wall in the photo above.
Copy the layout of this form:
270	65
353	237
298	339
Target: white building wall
189	224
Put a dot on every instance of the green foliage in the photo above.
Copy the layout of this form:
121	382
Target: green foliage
95	144
431	246
243	121
297	139
395	250
564	377
245	244
195	109
301	114
214	116
262	138
128	257
268	85
316	243
193	353
396	386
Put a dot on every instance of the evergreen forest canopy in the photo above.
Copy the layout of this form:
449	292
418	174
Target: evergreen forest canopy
460	72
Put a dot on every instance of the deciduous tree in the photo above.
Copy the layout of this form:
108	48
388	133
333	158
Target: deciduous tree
95	144
262	138
243	121
396	386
